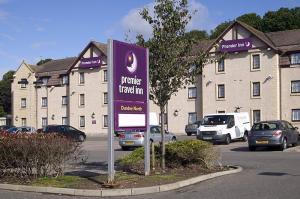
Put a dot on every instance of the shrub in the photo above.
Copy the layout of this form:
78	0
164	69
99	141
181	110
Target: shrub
36	155
178	154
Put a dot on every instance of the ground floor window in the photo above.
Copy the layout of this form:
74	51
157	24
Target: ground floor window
64	121
105	121
295	86
192	117
44	122
296	115
24	121
82	121
256	116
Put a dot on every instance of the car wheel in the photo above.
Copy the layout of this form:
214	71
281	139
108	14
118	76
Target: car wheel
81	138
125	148
188	134
283	145
245	137
173	139
227	139
252	148
295	144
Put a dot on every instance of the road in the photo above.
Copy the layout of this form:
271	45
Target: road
267	174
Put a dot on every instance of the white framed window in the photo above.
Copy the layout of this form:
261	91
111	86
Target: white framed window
295	58
255	89
65	80
221	65
64	100
105	98
64	121
295	86
81	78
23	85
221	91
23	102
256	61
295	115
192	93
192	117
44	102
105	120
44	122
256	116
105	75
24	122
81	100
82	121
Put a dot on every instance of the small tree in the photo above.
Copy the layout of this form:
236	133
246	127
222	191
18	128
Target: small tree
170	55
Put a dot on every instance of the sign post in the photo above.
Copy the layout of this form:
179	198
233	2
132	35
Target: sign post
128	69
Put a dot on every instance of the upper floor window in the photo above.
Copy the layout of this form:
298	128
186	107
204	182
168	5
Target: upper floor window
295	58
81	78
221	91
65	80
296	115
81	100
105	75
44	101
105	98
256	61
295	86
23	103
23	85
192	93
256	89
45	81
221	65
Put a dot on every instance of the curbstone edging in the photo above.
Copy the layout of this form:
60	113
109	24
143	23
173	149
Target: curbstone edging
120	192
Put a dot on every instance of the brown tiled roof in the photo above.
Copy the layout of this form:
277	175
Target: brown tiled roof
56	65
202	46
101	46
34	68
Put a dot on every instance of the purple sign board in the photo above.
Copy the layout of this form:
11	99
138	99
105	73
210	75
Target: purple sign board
236	45
92	62
130	86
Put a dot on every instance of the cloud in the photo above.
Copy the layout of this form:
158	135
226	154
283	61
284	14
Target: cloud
42	44
6	36
200	19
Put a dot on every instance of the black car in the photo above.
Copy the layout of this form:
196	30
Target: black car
192	128
67	131
4	128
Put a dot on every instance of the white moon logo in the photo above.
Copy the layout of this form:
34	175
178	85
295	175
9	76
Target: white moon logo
133	66
248	44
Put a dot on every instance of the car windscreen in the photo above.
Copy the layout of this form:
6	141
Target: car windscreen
217	119
265	126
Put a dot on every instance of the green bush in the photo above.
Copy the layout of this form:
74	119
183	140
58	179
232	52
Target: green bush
178	154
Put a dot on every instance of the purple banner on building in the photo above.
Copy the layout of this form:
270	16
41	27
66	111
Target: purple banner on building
91	62
130	73
236	45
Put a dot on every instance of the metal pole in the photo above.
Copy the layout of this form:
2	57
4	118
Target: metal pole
147	133
110	149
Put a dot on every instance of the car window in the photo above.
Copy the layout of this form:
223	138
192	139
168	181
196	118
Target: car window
265	126
289	125
155	130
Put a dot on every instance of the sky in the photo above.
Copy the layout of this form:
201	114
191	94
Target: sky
31	30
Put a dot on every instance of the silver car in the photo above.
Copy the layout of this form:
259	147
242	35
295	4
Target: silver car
278	133
129	139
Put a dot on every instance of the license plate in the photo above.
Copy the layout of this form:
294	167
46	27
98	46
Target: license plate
129	142
262	142
207	138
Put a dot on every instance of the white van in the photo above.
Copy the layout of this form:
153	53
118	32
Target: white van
224	127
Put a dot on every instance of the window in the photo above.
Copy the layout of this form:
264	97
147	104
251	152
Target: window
295	58
192	118
45	81
105	75
221	91
44	122
256	89
64	121
295	86
192	93
24	121
220	111
105	121
296	115
64	100
44	101
192	68
23	85
165	118
105	98
256	116
81	100
65	80
81	78
82	121
221	65
23	103
255	61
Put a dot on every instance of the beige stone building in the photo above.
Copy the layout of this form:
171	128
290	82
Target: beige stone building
261	78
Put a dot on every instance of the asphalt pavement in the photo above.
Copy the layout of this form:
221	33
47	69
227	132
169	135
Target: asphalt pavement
267	174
